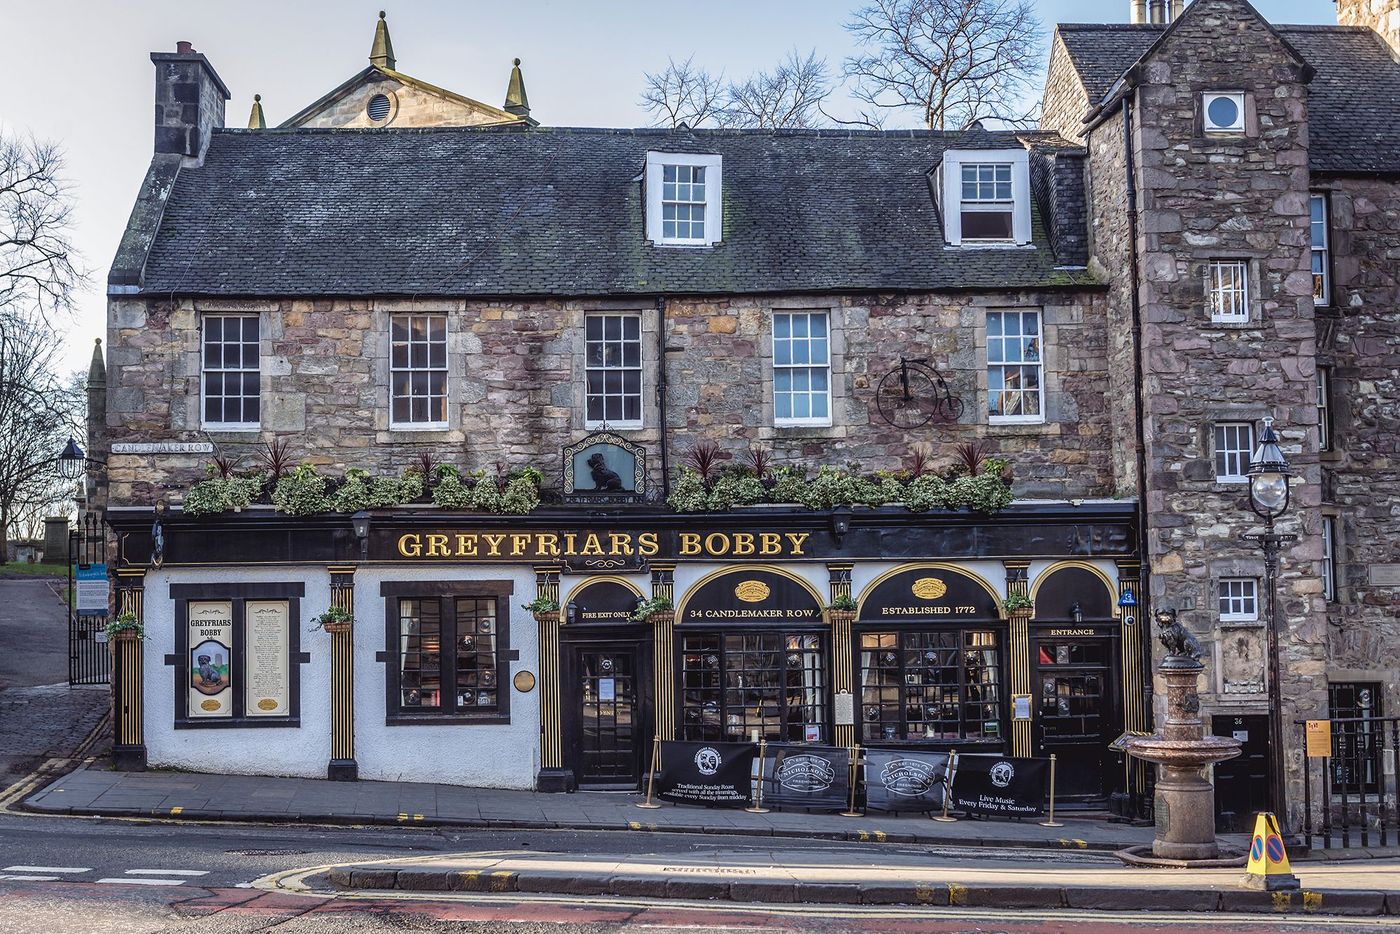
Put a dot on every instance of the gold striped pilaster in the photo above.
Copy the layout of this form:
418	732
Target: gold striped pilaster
128	670
1134	692
842	661
343	766
1022	736
663	584
551	723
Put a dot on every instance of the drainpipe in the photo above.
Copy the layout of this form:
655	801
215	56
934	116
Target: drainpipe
661	395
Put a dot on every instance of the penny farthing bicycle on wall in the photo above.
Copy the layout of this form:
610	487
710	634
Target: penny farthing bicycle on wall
914	394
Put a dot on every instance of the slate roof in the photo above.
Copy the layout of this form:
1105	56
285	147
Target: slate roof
1353	99
511	211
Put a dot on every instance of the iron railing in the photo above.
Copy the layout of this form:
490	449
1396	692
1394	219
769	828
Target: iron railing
1356	785
89	660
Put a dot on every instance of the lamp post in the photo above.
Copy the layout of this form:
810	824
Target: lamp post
1269	498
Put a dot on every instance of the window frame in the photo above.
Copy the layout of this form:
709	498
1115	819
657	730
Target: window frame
204	371
1321	297
239	595
654	180
1210	129
1329	558
1216	450
625	424
446	592
1212	286
963	631
1249	592
810	313
445	370
1325	427
999	419
948	185
823	705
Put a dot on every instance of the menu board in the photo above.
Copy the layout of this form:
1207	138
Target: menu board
211	655
266	678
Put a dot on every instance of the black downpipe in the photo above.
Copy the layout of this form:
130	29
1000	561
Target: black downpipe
1144	567
661	395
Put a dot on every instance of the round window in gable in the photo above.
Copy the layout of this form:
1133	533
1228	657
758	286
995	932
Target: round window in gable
378	107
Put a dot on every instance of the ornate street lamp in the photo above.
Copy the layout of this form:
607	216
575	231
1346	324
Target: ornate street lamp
1269	498
72	462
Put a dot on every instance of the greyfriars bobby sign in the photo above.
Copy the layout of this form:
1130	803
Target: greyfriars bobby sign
604	468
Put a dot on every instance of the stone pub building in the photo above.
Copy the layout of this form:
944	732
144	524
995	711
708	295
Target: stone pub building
403	290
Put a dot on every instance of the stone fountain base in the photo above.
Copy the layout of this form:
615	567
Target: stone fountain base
1142	856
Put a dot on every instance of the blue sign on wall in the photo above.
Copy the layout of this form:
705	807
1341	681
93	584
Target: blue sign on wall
91	590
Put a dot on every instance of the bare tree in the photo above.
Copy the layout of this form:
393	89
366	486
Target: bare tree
683	93
38	264
954	61
790	95
38	413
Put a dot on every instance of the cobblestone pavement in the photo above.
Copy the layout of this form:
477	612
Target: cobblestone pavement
41	717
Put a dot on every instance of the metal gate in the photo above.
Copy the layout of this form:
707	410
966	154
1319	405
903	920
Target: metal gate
1356	785
89	660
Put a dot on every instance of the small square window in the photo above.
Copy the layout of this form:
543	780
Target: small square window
1238	599
1227	291
1234	445
1223	113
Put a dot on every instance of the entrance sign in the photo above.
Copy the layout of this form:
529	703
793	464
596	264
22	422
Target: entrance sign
92	590
266	688
711	774
1000	787
211	654
807	776
1319	738
905	781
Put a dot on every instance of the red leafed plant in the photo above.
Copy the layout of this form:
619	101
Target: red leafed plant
970	456
760	460
276	458
704	458
920	461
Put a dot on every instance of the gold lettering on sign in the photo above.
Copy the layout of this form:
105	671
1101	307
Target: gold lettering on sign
797	538
929	588
506	545
619	543
493	544
648	545
591	545
519	541
410	546
690	543
548	544
752	591
770	543
437	546
743	543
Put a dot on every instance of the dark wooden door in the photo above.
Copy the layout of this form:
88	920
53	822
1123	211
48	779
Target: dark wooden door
1242	783
1076	712
607	730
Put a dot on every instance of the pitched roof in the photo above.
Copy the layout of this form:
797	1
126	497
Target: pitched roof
511	211
1353	99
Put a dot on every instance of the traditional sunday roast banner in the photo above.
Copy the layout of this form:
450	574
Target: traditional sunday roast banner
999	786
706	773
807	776
905	781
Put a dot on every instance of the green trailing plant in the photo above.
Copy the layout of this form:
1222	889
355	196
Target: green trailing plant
450	492
485	494
335	616
541	605
736	488
688	493
302	492
791	486
222	494
843	603
649	607
353	494
521	496
387	492
125	622
1017	601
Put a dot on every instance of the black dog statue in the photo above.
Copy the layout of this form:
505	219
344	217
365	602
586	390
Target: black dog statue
604	477
1174	636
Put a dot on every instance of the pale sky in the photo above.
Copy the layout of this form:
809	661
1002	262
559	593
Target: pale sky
77	71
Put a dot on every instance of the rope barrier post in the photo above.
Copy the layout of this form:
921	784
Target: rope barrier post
948	788
855	766
651	775
1052	822
758	807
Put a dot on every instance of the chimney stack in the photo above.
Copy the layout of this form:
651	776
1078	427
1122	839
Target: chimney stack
190	99
1381	16
1156	12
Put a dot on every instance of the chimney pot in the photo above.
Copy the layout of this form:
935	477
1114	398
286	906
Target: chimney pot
183	48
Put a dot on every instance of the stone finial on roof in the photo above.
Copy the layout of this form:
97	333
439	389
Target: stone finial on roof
516	100
255	118
381	53
97	370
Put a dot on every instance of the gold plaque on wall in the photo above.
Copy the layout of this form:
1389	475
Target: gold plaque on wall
929	588
752	591
524	681
268	703
210	705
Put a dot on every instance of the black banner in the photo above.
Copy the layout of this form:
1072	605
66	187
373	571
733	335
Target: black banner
999	786
807	776
905	781
712	774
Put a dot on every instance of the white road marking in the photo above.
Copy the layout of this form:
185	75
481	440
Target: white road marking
48	869
16	877
167	872
144	881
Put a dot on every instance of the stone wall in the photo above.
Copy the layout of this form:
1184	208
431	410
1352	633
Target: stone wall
409	106
1064	101
516	374
1381	15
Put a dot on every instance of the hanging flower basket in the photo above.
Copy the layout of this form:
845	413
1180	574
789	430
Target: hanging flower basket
125	628
840	617
545	610
336	620
654	610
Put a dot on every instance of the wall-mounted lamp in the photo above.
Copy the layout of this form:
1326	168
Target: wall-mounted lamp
1076	612
570	613
840	525
360	523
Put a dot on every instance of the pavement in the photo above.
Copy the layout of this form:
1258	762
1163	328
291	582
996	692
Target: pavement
261	798
881	876
41	717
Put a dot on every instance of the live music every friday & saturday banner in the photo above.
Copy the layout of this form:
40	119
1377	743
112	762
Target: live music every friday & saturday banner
1000	786
710	774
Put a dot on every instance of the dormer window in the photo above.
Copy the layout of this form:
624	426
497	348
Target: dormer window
985	197
683	199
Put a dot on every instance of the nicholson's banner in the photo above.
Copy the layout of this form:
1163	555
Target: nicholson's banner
706	773
807	777
905	781
999	786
